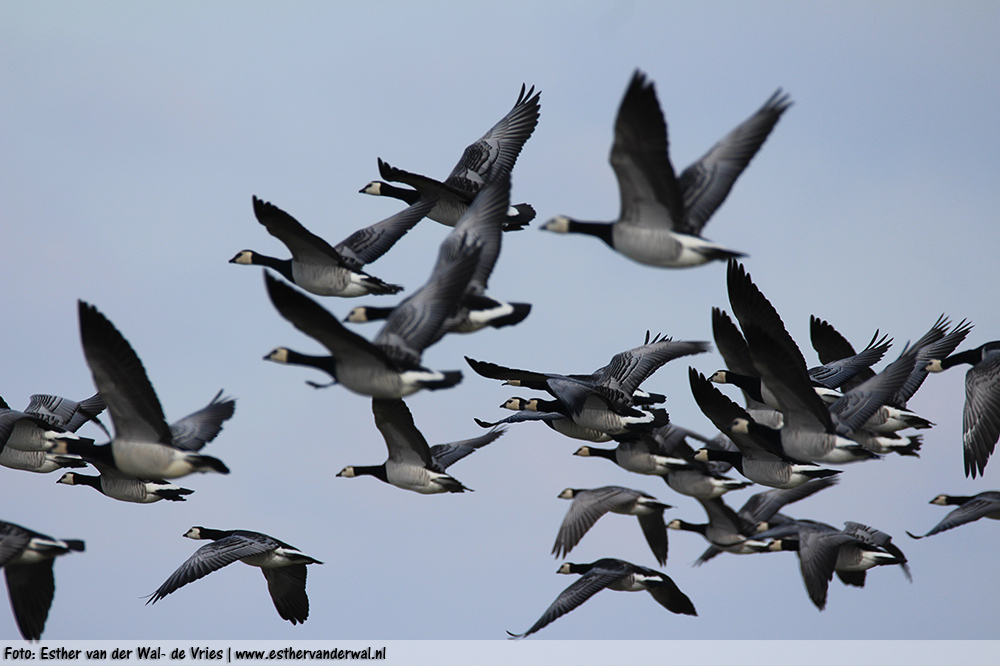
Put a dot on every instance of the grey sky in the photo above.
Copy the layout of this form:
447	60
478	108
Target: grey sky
134	136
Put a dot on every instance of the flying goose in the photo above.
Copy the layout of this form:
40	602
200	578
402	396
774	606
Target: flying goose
759	459
379	369
612	574
31	432
662	215
725	529
695	478
144	445
412	464
605	399
495	152
981	415
389	366
639	455
938	342
825	379
823	550
591	410
124	487
590	504
619	379
283	566
664	452
327	270
702	483
812	430
564	425
62	413
970	508
27	558
475	309
762	509
733	348
190	433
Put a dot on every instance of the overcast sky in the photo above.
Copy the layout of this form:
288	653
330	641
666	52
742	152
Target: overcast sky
134	136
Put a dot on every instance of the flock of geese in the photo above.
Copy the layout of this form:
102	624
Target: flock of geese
794	423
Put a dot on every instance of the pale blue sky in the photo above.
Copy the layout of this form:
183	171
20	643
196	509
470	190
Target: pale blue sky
134	136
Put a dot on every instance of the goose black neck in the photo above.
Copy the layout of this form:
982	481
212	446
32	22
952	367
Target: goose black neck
378	471
602	230
283	266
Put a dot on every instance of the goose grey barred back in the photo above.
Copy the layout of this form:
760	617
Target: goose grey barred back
612	574
27	558
412	464
283	566
62	414
969	509
327	270
40	462
662	215
494	153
